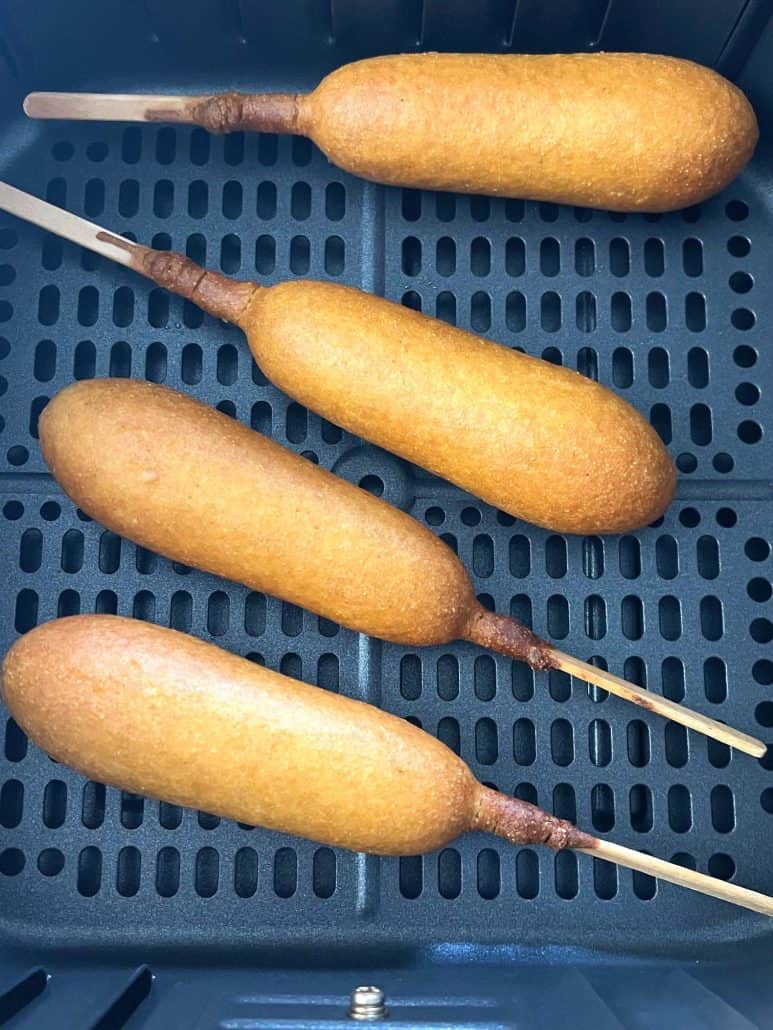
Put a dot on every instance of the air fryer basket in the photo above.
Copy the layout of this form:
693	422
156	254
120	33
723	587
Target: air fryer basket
671	311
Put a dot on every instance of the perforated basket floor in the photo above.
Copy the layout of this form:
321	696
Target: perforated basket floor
667	310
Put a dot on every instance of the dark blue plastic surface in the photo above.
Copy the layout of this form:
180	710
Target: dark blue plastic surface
671	311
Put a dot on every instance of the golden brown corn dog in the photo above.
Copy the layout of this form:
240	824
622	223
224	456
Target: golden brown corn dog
628	132
198	487
155	712
536	440
193	484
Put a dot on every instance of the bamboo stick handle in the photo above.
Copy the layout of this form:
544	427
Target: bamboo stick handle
710	885
109	107
510	637
69	226
220	296
215	112
657	704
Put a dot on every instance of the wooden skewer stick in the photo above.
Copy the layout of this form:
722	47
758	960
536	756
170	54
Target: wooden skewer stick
69	226
506	636
110	107
227	299
673	873
215	112
660	705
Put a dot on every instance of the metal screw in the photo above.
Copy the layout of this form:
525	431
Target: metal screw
367	1003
